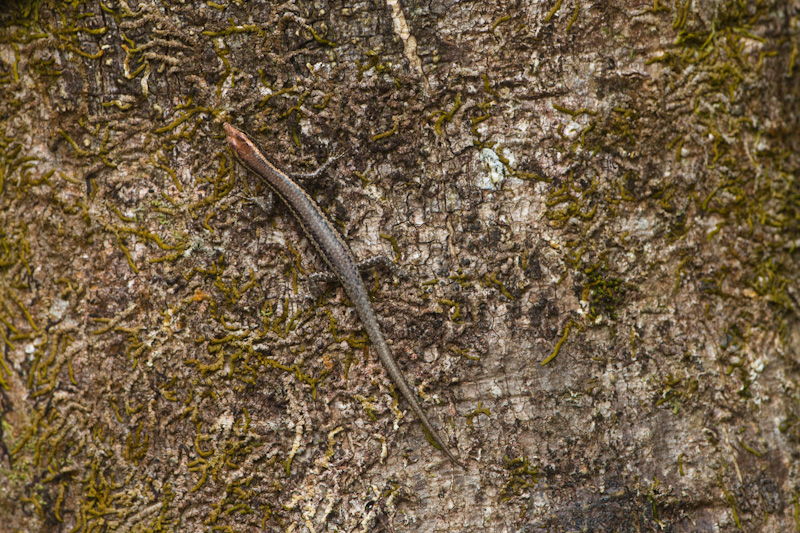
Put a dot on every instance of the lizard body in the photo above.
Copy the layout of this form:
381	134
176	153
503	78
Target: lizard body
336	253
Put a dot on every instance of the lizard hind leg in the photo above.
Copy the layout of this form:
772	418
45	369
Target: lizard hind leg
311	175
385	262
367	264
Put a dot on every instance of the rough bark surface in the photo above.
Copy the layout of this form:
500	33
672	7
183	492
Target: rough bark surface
597	203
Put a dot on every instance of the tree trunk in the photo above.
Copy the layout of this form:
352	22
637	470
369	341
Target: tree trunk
596	203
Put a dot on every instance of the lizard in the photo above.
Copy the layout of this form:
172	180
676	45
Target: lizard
335	251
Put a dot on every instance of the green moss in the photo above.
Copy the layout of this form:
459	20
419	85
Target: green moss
553	11
445	117
521	476
389	133
490	279
676	390
470	417
560	343
604	294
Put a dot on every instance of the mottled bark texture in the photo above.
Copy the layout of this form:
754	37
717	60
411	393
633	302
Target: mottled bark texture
597	203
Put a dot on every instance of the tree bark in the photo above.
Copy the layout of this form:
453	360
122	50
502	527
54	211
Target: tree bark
596	202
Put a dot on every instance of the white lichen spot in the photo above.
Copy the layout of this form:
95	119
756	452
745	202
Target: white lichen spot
144	81
225	421
57	309
571	130
496	173
402	30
